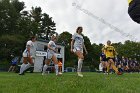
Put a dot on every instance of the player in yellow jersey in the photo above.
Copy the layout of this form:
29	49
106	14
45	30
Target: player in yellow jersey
129	1
134	10
110	57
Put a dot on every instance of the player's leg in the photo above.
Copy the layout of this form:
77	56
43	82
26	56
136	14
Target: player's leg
105	68
103	65
108	65
25	59
60	69
56	64
14	67
47	62
10	68
30	63
114	67
80	62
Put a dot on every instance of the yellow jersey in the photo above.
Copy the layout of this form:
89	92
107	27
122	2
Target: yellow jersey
129	1
110	51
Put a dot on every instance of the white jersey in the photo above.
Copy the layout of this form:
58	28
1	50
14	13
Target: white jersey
52	45
79	41
50	52
32	49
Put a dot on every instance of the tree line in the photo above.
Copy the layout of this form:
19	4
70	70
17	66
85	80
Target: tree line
17	25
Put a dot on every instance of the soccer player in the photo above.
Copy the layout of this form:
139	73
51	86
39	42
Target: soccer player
103	61
28	55
110	56
77	46
52	49
134	10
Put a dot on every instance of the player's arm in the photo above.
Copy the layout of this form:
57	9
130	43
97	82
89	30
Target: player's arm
85	49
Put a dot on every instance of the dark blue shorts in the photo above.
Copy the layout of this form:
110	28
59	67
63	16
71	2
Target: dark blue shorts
108	58
104	59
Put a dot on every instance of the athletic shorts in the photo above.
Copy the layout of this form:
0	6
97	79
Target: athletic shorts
50	55
134	10
25	54
110	58
104	59
78	49
27	59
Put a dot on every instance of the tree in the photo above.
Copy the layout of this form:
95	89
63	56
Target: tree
11	44
8	17
129	49
16	26
65	39
47	26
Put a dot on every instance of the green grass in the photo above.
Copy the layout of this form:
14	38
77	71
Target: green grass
69	83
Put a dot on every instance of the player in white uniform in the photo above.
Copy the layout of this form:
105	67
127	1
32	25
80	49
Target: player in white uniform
77	46
52	49
28	55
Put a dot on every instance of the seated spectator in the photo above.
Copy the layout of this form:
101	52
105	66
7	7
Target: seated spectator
60	67
13	64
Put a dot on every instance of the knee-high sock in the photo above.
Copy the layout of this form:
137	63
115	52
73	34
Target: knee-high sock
27	66
56	69
105	69
22	68
80	62
115	68
45	68
108	68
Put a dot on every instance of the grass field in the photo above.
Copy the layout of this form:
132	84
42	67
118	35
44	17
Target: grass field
69	83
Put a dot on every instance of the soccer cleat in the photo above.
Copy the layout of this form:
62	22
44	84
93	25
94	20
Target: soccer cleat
79	74
44	74
119	73
60	73
21	74
106	73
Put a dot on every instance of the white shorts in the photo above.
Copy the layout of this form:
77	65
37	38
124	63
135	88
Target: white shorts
25	54
78	49
49	55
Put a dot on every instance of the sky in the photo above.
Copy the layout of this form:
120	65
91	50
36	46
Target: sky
101	20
